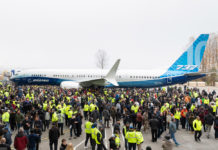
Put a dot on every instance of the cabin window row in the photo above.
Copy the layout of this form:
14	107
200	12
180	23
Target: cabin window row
38	75
78	76
144	77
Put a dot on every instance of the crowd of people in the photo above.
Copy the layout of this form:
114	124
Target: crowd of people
28	111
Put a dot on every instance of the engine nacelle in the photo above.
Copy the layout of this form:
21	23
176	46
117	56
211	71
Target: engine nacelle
70	85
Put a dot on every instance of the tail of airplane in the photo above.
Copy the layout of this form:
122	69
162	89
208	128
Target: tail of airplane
191	59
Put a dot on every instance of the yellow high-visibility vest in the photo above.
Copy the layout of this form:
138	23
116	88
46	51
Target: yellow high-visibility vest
6	117
197	125
117	140
177	115
54	117
86	107
214	108
131	137
139	137
70	114
96	139
206	101
88	127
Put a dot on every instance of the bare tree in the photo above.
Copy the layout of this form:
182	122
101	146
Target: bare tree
101	58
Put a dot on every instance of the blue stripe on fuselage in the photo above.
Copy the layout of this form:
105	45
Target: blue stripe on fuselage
164	81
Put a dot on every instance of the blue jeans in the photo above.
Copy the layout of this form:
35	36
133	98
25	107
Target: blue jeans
173	137
177	124
27	132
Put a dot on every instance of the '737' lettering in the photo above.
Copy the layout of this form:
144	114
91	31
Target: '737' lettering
186	67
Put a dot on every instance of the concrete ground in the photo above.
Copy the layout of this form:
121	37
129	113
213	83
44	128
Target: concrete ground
185	138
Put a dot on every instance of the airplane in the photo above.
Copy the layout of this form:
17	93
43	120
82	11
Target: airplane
184	69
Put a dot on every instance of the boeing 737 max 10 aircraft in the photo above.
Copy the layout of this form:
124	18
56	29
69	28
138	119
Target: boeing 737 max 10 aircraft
184	69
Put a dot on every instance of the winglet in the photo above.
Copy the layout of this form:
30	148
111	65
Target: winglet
111	75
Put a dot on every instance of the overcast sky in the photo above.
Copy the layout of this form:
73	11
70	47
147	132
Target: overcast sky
144	34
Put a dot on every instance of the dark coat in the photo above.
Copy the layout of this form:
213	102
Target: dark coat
54	134
209	119
33	139
154	124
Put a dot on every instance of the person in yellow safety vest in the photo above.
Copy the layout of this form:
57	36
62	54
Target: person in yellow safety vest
213	106
192	107
139	138
60	121
54	118
135	108
177	116
197	125
92	107
93	142
163	108
99	139
117	140
206	101
125	130
88	130
86	110
6	117
68	107
142	102
131	138
45	105
70	114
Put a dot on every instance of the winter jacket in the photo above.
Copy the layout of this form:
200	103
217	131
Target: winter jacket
33	139
106	114
209	119
8	138
172	127
154	124
19	118
54	134
20	141
112	144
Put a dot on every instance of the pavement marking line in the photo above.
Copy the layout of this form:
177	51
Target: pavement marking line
78	145
112	127
123	137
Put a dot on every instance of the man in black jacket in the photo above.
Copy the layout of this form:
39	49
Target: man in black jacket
54	135
112	143
209	122
154	127
26	125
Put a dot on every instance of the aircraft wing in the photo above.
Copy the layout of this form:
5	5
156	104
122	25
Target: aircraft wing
110	77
